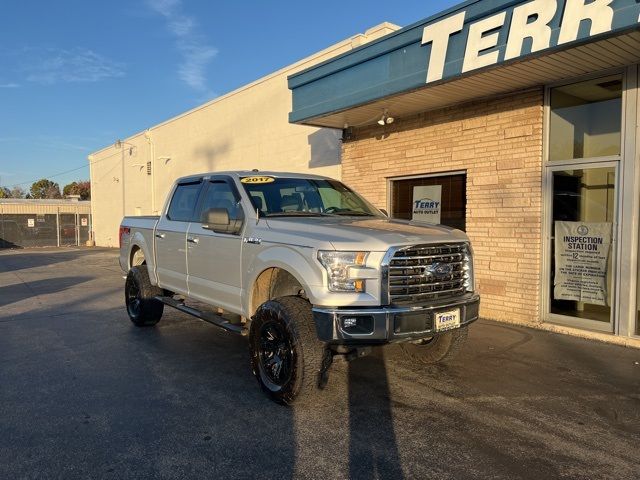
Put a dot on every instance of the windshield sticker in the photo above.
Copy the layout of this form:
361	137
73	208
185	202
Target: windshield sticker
257	180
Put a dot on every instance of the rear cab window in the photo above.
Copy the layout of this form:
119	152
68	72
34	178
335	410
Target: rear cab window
183	203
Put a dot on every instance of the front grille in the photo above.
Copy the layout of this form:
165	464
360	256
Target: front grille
425	273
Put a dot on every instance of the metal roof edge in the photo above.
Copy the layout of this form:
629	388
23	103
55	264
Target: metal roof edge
307	115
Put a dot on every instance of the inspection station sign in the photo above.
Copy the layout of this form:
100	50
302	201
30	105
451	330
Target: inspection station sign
582	259
427	203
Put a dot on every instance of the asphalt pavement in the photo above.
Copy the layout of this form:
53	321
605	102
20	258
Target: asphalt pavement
85	394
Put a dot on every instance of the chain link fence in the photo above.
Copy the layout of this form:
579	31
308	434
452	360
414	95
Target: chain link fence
42	223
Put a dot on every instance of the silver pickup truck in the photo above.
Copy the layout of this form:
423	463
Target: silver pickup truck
305	267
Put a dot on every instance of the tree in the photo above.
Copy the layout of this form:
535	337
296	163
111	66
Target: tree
81	187
70	189
17	192
44	188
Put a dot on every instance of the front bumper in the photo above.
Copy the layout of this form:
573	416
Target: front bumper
381	325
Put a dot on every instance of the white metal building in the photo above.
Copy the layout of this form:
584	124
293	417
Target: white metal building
245	129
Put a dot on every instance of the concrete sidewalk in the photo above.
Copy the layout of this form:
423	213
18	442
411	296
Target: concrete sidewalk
84	394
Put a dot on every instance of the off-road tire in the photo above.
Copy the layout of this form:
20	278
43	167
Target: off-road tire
143	309
291	319
440	349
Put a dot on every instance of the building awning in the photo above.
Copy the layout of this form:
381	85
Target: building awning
478	49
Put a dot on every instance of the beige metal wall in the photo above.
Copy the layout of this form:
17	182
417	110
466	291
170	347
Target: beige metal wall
43	207
245	129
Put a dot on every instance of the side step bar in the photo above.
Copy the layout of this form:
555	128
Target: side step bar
209	317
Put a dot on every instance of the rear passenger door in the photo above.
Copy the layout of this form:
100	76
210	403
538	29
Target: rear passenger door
213	258
171	236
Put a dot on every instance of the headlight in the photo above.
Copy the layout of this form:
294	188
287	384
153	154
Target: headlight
467	267
338	264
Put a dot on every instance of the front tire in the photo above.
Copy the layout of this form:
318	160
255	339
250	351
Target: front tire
439	349
139	296
286	355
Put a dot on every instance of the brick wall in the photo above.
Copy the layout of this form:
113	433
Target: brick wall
499	144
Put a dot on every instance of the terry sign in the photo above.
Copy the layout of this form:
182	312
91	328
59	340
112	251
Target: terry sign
532	27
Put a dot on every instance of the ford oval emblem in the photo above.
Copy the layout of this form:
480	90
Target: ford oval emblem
441	269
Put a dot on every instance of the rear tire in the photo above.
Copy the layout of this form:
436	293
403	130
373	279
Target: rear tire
286	355
440	349
139	295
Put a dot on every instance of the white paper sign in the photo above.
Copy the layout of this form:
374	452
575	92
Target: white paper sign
582	258
31	222
84	222
427	203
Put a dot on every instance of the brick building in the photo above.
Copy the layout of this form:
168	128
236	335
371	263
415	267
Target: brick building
519	119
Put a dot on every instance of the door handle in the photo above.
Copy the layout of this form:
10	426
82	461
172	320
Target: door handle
193	240
160	235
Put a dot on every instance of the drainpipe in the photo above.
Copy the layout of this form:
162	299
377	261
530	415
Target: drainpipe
152	153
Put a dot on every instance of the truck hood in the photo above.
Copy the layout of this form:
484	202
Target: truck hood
371	234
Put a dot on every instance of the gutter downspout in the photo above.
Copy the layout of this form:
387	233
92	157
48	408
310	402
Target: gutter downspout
152	154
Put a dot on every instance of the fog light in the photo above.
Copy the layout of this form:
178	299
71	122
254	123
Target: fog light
349	322
357	324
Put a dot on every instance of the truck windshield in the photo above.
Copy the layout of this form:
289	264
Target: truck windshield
289	197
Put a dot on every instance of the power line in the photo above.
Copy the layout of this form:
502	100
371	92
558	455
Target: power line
47	177
55	175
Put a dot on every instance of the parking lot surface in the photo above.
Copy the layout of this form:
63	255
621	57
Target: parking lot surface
85	394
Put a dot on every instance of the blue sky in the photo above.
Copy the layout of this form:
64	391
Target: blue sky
76	75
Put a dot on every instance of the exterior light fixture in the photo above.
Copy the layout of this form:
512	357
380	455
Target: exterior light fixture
386	119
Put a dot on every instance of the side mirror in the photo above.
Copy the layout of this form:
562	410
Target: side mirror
217	220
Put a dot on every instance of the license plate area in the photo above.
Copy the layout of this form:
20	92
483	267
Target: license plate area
447	320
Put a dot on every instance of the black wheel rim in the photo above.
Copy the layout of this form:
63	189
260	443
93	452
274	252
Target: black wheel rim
276	355
133	298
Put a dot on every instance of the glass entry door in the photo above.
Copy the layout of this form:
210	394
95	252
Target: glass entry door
582	245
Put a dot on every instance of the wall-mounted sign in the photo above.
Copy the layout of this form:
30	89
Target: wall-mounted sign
31	222
525	29
582	259
427	203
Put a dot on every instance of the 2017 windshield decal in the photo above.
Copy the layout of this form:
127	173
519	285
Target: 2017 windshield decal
257	180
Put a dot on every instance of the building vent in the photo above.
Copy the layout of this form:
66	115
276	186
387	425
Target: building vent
148	168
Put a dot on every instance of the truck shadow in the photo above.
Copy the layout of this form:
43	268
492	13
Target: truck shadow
32	289
373	449
11	260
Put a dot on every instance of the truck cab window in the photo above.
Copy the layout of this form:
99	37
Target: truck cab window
183	202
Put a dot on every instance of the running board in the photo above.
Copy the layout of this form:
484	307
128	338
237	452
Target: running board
208	317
